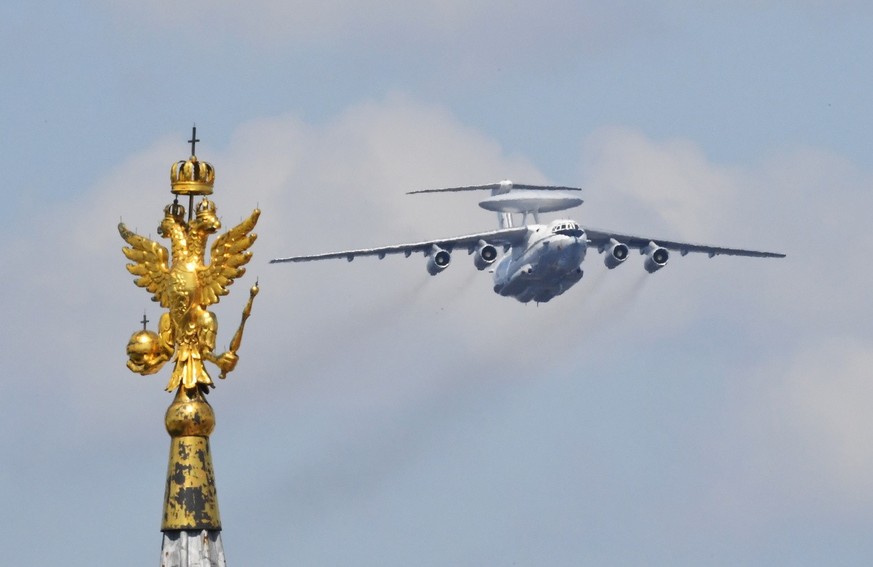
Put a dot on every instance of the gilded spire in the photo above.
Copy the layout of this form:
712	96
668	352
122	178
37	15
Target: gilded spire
184	284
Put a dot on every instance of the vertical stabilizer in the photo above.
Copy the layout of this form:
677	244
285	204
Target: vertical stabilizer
504	218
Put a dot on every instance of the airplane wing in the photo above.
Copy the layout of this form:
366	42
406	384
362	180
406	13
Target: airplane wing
502	237
601	238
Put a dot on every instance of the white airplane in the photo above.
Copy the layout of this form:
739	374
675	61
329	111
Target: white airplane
540	261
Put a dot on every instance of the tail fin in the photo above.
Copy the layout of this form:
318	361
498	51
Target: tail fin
504	186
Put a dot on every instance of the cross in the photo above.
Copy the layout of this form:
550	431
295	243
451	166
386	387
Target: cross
193	141
144	321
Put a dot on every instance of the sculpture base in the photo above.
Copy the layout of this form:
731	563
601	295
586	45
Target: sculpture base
192	549
190	499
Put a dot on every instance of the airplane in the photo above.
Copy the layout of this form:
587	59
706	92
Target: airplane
540	261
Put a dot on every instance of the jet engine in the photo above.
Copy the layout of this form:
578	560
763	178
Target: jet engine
656	257
616	253
485	255
437	260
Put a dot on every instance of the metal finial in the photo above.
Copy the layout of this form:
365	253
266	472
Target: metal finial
193	141
144	321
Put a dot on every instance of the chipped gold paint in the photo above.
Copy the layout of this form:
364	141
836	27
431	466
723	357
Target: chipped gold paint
190	499
182	282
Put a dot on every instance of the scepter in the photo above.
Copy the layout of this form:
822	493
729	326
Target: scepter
237	337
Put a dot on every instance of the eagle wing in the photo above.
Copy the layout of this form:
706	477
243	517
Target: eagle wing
150	263
229	255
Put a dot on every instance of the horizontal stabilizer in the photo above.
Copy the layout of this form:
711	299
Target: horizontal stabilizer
497	188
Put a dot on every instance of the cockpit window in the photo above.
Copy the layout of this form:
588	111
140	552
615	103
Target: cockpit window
568	229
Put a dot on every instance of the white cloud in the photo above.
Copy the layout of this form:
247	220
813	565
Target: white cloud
342	185
806	202
797	442
672	181
819	405
365	362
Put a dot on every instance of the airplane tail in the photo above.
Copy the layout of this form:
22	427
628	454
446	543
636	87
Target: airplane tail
504	218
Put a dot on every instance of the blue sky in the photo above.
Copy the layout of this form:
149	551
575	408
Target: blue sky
717	412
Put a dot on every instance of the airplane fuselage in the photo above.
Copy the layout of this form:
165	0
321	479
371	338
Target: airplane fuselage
542	261
546	265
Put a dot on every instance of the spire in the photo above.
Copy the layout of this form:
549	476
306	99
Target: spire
182	282
190	499
191	522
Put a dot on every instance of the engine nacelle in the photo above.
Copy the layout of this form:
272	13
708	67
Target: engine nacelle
616	253
656	257
485	255
437	260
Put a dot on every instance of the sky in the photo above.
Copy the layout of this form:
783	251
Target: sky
717	412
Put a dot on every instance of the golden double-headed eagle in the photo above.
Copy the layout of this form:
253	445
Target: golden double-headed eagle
186	285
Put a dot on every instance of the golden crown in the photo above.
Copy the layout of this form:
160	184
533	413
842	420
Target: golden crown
192	177
175	210
205	207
